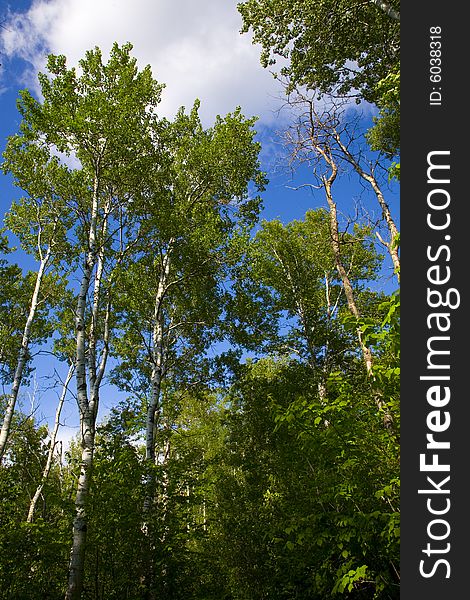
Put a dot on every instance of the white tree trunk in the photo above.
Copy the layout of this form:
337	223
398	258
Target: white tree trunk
154	407
87	416
158	352
23	353
387	9
392	245
77	556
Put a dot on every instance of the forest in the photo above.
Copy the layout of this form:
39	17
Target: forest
252	451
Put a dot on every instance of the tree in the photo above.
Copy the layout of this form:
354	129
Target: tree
194	208
331	143
40	220
306	491
330	47
102	117
319	141
249	459
293	270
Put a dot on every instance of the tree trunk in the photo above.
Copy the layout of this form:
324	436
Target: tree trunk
349	292
77	557
158	350
88	428
50	454
392	245
387	9
10	408
347	286
153	411
87	416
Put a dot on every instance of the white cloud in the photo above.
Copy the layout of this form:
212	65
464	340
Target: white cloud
195	48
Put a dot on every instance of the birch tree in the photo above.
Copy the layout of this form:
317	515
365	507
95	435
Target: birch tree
100	117
40	220
172	297
332	134
317	141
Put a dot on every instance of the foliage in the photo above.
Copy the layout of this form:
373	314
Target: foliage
34	563
384	136
270	472
333	47
288	294
300	506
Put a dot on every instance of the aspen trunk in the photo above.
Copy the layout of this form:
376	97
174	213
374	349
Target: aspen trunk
324	150
153	409
347	286
88	431
87	416
156	383
77	557
392	245
50	454
10	408
349	292
157	367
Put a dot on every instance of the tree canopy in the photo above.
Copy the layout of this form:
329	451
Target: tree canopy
328	46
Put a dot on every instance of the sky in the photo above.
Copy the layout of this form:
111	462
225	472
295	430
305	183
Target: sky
194	48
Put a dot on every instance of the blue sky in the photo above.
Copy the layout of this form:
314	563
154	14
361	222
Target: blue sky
196	49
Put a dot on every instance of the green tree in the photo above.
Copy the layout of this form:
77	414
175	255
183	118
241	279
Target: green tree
102	118
40	220
334	47
306	493
34	556
219	476
191	216
292	270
